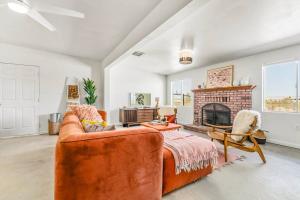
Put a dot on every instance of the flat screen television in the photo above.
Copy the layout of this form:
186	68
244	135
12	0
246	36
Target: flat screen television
140	99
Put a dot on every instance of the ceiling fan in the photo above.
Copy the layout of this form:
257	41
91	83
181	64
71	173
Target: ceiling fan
33	9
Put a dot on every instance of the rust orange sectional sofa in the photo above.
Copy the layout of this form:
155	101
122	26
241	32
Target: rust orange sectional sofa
128	164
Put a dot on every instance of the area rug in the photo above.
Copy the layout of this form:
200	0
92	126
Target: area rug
230	156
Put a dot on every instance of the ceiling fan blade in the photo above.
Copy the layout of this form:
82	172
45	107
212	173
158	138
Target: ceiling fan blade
35	15
58	11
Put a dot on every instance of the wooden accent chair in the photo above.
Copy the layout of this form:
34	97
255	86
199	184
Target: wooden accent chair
235	138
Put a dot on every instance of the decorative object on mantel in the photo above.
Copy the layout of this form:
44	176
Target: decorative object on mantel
73	97
220	77
236	83
245	81
186	57
90	89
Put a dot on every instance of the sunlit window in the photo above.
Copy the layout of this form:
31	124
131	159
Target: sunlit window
181	94
280	87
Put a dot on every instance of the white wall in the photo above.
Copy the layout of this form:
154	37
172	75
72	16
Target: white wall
124	79
282	126
54	68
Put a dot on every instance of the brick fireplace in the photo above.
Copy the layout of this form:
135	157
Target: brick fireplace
226	102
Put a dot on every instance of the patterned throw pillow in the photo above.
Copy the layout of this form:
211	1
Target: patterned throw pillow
86	112
96	126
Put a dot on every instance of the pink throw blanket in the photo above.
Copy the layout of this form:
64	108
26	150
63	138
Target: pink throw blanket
190	152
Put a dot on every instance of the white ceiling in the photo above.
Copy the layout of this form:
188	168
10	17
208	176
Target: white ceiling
223	30
106	24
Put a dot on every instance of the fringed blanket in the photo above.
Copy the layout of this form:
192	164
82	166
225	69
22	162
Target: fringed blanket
190	152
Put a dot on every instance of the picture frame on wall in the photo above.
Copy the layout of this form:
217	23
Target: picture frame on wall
73	92
220	77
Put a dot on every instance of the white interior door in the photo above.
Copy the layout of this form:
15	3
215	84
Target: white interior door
19	95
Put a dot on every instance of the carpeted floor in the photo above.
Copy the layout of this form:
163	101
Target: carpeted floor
26	173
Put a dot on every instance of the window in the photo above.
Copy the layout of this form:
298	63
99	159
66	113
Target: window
280	87
181	94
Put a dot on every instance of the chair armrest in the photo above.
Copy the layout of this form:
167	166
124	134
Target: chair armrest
125	164
239	134
103	114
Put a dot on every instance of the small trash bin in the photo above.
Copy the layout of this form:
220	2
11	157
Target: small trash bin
54	124
55	117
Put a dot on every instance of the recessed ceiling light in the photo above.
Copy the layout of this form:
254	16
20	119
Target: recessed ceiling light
18	6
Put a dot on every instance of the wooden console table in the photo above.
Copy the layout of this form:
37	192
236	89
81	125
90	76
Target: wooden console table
136	116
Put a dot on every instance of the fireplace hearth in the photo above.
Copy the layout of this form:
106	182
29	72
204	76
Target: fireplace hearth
216	114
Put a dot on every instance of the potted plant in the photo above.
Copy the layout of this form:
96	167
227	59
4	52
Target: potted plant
90	89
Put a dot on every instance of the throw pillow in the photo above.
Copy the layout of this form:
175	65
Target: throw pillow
86	112
96	126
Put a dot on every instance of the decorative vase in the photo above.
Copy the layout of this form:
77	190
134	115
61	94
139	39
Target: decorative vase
245	81
236	83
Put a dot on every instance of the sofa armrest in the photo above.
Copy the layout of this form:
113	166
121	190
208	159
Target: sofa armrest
113	165
103	114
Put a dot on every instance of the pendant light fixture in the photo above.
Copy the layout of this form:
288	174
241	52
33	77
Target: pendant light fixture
186	57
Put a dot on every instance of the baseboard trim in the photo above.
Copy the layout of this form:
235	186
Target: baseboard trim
19	136
282	143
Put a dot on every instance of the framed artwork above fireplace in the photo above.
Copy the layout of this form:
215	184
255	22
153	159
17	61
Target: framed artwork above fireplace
220	77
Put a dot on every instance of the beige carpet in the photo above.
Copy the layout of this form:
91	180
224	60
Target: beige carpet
26	173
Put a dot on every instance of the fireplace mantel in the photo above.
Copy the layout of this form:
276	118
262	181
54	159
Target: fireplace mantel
244	87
